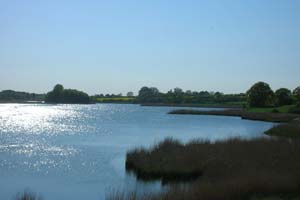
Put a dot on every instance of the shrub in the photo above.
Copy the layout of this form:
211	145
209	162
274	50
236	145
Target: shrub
275	110
295	110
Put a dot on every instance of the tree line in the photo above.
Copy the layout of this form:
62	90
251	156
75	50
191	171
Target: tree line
178	96
16	96
259	95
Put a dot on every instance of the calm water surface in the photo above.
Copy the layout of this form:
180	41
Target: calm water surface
78	151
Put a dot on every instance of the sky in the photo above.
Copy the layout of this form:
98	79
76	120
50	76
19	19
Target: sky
116	46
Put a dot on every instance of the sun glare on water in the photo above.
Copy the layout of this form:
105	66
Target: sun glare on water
26	130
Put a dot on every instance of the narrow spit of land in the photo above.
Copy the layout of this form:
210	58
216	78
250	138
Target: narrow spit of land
260	116
194	105
289	127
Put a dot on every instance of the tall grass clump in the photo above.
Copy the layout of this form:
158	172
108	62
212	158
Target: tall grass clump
28	195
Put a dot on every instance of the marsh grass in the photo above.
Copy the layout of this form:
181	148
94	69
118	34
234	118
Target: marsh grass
232	169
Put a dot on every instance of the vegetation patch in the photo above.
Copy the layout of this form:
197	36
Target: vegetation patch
291	130
158	163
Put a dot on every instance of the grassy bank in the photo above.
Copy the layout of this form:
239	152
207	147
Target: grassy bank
280	109
233	169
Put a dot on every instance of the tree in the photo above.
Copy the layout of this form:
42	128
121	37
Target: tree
57	93
58	88
260	95
178	91
130	94
188	93
148	94
283	97
296	94
61	95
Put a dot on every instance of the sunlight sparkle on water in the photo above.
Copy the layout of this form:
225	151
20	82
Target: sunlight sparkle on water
25	130
35	119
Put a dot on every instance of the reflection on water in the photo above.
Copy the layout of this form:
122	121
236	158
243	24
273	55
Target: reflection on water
78	151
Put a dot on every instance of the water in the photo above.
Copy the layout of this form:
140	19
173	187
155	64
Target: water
78	151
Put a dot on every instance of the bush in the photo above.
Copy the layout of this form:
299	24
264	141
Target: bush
294	110
275	110
296	94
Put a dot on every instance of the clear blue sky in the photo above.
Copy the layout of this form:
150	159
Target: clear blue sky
118	46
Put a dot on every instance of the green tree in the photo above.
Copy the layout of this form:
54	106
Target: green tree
296	94
149	95
260	95
61	95
58	88
130	94
283	96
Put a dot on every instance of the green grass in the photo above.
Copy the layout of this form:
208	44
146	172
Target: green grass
281	109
